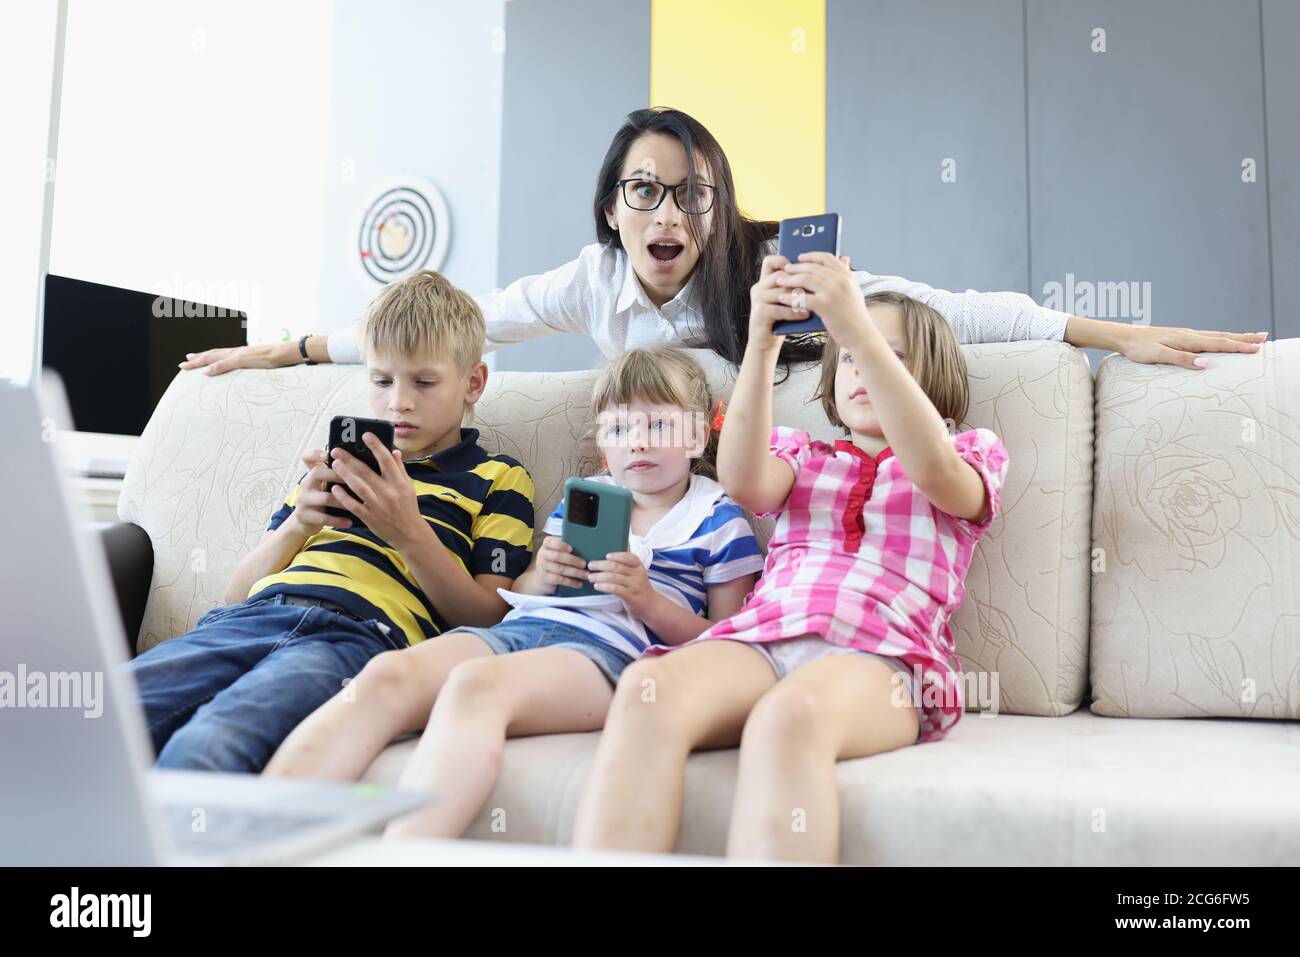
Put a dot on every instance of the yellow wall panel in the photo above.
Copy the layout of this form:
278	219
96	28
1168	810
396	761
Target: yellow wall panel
754	73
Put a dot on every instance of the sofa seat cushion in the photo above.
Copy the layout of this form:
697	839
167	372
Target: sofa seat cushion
1007	790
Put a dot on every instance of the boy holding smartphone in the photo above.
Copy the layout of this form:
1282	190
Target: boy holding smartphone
442	525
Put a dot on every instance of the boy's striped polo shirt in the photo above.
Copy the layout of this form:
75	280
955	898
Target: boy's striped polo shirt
479	504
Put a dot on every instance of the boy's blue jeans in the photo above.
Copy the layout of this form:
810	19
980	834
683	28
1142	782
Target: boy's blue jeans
225	695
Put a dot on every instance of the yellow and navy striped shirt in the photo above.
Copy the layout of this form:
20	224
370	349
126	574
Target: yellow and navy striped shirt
480	506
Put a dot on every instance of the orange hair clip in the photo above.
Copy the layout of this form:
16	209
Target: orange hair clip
718	416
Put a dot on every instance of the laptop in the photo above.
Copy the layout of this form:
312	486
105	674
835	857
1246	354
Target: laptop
79	790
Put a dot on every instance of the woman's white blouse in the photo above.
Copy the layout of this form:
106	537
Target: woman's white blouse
599	294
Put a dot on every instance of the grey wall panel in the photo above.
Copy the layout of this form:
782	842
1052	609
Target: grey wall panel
910	83
402	75
1281	21
1135	158
573	70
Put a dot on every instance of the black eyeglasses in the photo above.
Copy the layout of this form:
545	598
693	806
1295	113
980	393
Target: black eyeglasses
647	194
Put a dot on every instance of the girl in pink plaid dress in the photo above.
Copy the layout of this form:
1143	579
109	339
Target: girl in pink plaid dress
843	650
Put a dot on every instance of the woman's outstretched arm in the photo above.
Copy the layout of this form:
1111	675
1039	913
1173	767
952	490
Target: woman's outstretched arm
531	307
1013	317
273	355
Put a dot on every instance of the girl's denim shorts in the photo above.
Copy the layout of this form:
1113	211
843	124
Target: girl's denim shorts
524	634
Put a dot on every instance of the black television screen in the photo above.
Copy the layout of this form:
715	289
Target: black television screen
117	349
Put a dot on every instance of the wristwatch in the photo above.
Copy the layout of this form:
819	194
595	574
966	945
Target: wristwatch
302	349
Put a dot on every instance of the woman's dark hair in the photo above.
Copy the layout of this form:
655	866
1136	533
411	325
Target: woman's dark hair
730	257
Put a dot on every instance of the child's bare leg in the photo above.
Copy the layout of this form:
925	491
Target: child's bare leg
664	708
542	691
392	695
831	709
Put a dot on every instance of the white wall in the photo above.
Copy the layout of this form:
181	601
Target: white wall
224	152
191	153
26	76
415	88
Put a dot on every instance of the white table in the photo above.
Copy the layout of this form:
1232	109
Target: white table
77	451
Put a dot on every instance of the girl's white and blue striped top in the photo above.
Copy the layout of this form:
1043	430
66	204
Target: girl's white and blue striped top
704	540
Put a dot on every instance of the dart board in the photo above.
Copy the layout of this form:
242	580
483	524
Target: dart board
405	228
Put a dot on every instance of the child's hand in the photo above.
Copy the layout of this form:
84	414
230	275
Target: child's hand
769	303
828	289
622	574
309	512
555	565
391	509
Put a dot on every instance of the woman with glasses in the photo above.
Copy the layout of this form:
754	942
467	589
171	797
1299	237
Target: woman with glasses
673	264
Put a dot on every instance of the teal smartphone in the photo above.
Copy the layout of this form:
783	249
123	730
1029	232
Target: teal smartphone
597	520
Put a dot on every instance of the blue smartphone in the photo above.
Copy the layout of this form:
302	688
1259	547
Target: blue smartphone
597	520
807	234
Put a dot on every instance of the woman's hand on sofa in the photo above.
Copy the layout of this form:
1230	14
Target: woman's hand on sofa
1165	345
271	356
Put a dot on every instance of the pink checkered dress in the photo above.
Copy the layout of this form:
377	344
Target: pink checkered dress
860	557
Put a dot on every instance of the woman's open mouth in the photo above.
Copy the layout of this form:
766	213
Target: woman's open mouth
666	253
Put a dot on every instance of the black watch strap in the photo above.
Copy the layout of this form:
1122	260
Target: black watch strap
302	348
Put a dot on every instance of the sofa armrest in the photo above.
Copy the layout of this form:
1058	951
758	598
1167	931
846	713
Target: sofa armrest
130	562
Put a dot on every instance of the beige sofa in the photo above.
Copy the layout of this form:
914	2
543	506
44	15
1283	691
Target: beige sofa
1144	569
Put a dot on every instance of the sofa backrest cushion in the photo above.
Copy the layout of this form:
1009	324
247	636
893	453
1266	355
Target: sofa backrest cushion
1196	535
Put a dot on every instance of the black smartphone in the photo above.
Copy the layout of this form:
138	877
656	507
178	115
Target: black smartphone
807	234
345	433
